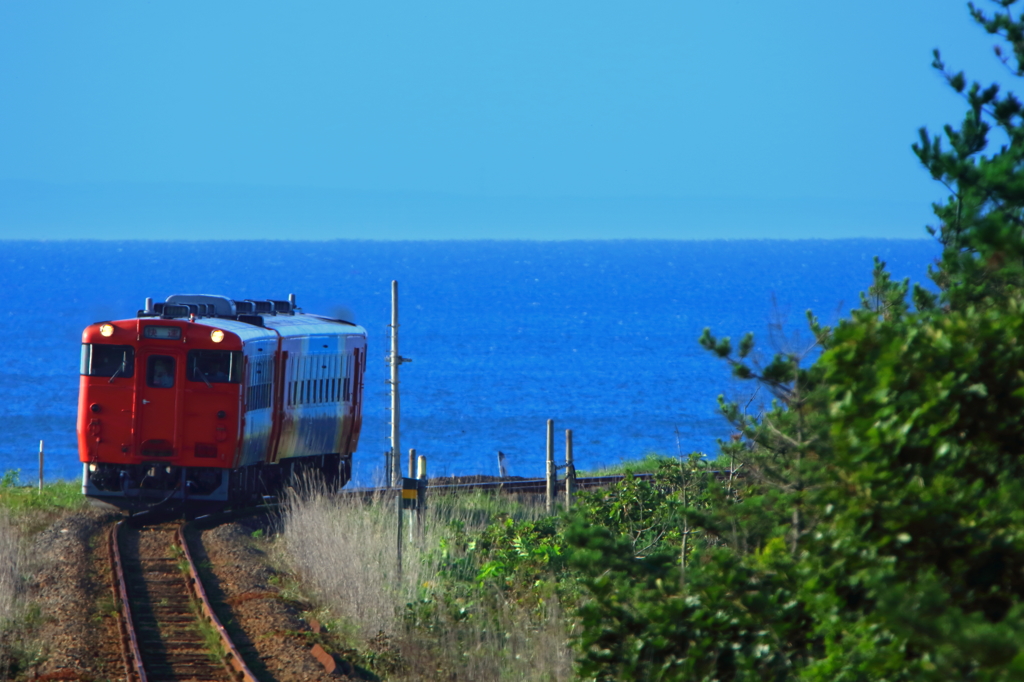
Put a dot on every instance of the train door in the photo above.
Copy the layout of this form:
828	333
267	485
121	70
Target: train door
156	415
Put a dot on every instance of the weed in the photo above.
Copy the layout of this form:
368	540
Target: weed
107	607
174	551
21	653
211	638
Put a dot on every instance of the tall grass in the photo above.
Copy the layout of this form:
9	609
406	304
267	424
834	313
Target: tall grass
344	552
11	590
10	568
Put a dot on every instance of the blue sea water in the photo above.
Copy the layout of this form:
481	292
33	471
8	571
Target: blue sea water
600	336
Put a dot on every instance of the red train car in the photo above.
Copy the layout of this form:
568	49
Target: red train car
208	401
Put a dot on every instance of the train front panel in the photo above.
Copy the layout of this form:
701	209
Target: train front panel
159	409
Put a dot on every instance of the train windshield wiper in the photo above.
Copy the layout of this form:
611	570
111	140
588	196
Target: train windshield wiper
123	367
202	375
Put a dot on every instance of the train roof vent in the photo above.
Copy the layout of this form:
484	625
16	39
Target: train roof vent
251	319
244	307
168	311
261	306
221	306
282	307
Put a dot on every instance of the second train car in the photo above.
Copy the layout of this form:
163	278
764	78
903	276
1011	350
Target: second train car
207	401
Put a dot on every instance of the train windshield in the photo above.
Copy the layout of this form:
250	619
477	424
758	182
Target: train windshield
99	360
215	366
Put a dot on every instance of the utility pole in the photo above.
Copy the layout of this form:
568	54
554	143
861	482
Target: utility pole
394	360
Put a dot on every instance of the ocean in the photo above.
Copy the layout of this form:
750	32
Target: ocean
600	336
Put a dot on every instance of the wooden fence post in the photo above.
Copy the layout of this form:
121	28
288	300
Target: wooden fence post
421	495
549	499
401	512
570	470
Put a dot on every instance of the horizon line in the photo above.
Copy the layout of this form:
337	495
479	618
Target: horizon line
470	239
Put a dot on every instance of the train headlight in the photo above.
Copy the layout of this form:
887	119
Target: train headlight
107	329
92	468
217	336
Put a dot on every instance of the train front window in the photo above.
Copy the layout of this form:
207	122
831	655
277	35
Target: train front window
160	371
215	366
101	360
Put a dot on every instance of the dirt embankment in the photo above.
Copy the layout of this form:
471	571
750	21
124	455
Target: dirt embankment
74	634
267	628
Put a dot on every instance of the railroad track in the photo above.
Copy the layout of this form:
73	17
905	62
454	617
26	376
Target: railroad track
165	611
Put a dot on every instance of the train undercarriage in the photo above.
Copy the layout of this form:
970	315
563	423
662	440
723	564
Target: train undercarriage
156	484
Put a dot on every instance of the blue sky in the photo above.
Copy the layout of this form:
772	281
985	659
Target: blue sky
462	120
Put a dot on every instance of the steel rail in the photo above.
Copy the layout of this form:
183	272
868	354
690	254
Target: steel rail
232	659
133	667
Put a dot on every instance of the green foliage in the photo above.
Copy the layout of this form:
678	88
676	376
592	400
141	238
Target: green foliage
925	421
519	556
877	535
641	624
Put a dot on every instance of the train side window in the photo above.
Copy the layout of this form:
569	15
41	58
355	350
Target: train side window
347	374
307	383
215	366
100	360
318	381
160	371
338	378
260	382
293	367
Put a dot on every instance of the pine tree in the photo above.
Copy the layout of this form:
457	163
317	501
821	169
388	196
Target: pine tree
981	223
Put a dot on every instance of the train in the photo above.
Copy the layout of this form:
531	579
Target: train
206	402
